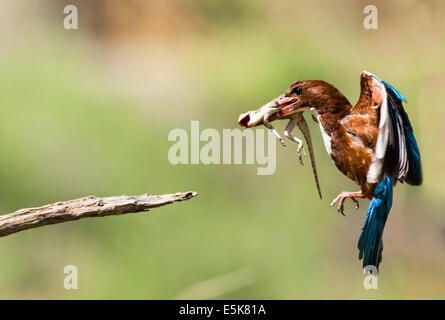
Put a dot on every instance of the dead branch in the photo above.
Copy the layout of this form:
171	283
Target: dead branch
91	206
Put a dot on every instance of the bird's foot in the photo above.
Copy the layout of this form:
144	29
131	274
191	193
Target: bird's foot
343	196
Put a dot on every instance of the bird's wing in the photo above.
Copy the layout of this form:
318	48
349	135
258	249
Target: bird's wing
396	153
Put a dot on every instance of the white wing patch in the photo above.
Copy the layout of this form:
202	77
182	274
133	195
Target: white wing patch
384	138
389	136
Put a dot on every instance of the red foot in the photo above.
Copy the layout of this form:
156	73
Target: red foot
342	197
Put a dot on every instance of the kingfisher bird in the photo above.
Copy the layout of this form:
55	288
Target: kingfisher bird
371	143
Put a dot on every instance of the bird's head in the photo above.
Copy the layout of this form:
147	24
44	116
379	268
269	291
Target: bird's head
301	96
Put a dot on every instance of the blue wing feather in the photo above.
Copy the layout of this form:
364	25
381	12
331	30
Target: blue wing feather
414	174
370	243
401	161
403	138
396	92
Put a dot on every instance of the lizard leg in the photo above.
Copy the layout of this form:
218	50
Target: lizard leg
288	134
274	131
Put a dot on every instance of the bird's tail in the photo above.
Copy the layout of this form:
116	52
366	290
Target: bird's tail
370	243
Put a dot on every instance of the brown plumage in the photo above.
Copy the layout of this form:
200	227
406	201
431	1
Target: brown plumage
371	143
352	131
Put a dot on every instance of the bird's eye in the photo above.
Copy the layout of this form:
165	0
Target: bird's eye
298	91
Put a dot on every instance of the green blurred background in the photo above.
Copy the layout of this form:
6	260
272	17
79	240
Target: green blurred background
88	111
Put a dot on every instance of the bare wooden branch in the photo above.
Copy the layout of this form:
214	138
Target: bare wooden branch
91	206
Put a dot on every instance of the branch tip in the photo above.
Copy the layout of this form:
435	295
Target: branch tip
85	207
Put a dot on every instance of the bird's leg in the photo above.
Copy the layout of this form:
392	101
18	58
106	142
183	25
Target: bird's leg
288	134
342	197
273	130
